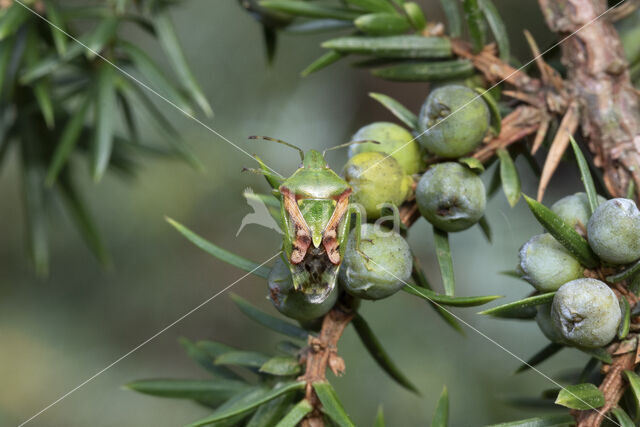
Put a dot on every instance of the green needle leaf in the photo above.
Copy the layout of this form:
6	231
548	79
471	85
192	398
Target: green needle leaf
382	24
314	26
441	415
598	353
372	5
509	177
494	184
564	420
407	46
415	15
324	61
42	91
221	254
169	41
105	107
56	18
623	329
67	141
514	309
472	163
445	261
296	414
82	218
269	321
6	49
250	359
310	10
397	109
540	356
494	110
498	28
486	228
281	366
421	280
634	383
251	401
34	202
49	64
12	19
631	190
41	88
209	391
103	34
205	359
155	76
473	16
214	349
586	177
272	412
581	396
331	405
379	354
566	235
622	417
379	418
454	20
429	295
426	71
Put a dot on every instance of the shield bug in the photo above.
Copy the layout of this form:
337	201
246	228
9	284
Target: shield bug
315	220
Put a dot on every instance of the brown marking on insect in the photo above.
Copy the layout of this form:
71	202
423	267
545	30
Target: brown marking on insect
301	229
330	234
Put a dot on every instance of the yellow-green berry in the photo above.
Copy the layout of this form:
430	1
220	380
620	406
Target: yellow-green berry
376	179
394	140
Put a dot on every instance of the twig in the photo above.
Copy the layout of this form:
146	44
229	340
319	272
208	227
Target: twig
613	387
322	352
522	121
493	69
598	77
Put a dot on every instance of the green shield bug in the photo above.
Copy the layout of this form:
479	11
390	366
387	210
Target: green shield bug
315	220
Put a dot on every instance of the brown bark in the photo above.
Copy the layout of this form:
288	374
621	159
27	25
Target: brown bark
597	76
613	387
322	352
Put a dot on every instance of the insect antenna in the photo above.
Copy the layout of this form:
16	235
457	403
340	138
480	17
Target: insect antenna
347	144
279	141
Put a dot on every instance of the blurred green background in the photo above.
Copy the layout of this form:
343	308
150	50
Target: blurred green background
56	333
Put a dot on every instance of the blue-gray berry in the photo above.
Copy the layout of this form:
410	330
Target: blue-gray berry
574	209
543	319
380	268
453	120
546	264
292	303
586	313
614	231
451	197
